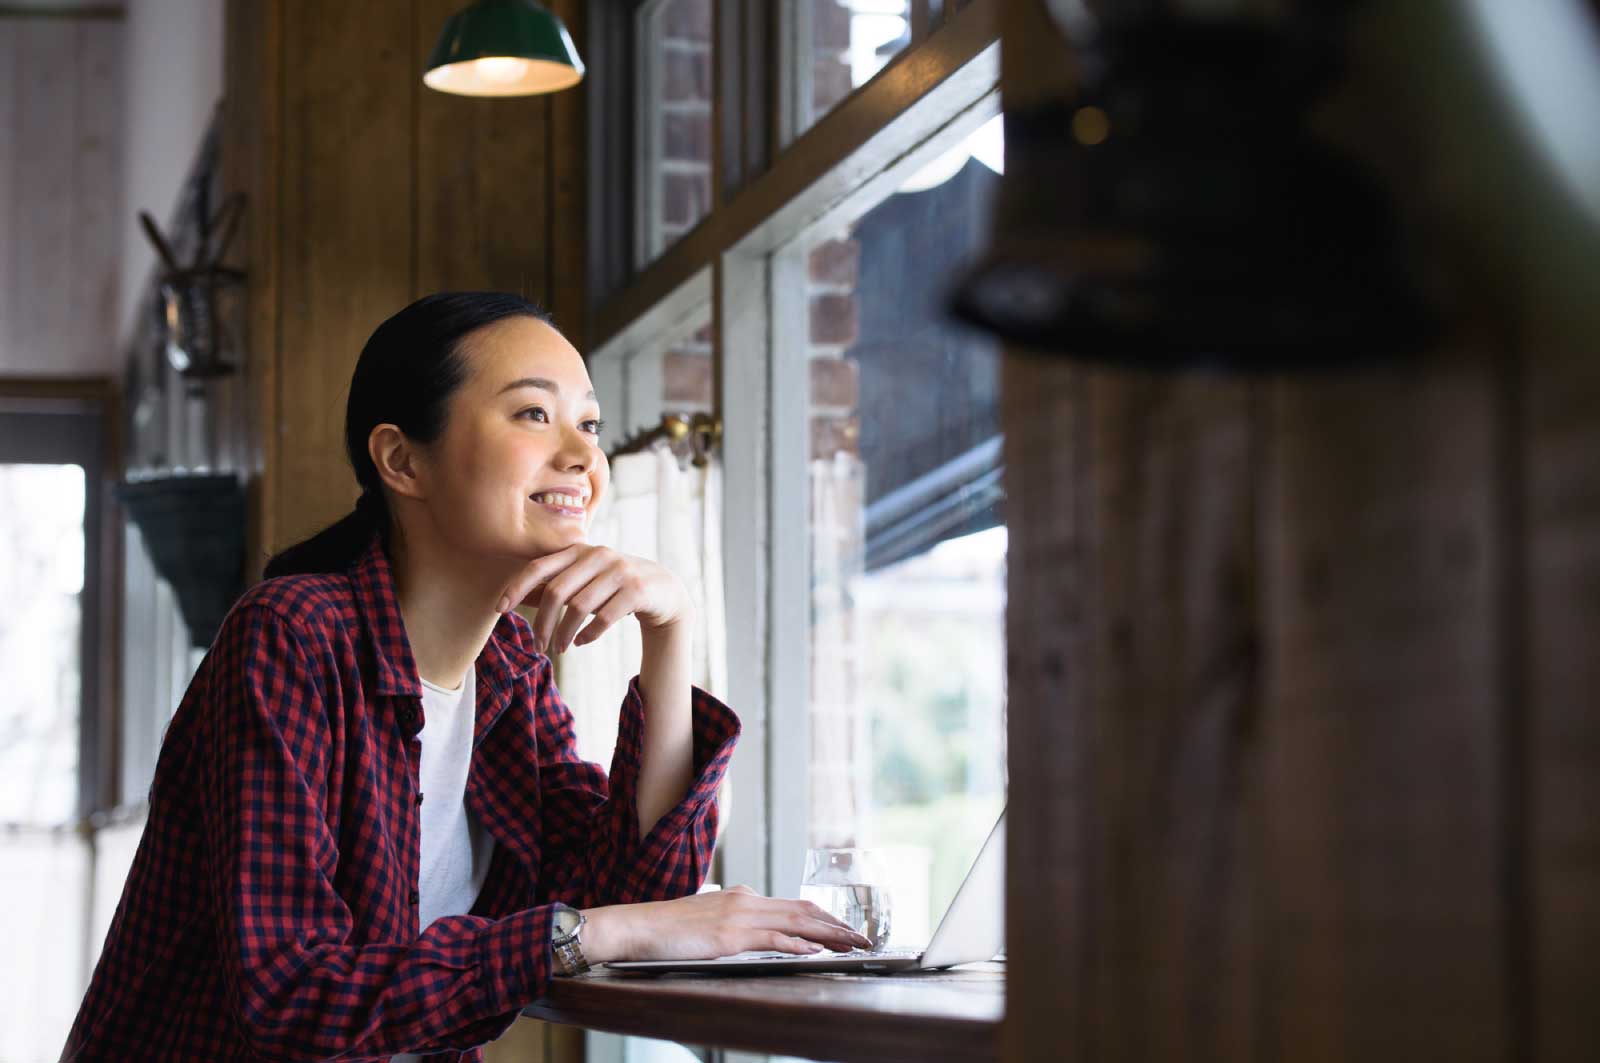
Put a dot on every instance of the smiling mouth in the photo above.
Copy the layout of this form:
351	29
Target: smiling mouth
566	505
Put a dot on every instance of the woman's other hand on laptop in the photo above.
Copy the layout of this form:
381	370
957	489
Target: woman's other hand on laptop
708	925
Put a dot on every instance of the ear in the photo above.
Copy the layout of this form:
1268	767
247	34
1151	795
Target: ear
397	461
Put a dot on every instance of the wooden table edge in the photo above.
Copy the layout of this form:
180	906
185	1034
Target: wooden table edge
644	1007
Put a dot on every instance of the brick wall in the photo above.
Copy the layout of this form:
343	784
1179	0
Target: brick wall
839	757
686	385
681	168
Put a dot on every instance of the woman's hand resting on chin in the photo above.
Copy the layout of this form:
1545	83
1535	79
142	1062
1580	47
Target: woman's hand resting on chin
708	925
589	580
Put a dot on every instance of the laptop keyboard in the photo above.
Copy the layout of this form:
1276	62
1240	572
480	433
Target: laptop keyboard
853	954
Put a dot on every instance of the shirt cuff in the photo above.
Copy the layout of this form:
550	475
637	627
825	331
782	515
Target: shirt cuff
716	732
516	955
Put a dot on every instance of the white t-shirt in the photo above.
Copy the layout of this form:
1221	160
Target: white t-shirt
455	849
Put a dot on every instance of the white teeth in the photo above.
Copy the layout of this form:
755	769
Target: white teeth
571	501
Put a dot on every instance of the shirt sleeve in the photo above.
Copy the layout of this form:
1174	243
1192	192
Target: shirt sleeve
589	822
299	983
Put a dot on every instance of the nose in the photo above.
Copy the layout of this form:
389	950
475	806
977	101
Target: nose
577	452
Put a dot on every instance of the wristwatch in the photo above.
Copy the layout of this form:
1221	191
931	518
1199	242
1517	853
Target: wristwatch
565	925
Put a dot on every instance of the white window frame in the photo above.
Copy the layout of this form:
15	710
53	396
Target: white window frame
756	287
785	400
747	257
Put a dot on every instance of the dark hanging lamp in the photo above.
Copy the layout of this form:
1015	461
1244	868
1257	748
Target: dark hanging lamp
1178	212
503	48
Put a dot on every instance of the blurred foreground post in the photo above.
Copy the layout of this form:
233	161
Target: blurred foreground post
1303	679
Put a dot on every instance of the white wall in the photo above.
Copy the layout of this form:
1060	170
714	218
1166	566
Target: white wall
61	127
104	118
173	82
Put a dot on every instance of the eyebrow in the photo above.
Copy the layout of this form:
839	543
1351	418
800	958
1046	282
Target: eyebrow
540	383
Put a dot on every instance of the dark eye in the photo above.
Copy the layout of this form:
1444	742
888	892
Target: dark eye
598	425
534	409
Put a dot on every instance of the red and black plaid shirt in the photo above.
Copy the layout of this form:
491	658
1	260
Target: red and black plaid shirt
271	908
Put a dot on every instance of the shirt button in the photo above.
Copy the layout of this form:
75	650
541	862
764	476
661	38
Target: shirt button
416	898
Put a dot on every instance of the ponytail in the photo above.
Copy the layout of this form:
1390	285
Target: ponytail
408	371
337	546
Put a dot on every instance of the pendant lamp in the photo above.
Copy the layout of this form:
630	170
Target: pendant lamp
503	48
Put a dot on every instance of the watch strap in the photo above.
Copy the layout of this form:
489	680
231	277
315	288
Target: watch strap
566	948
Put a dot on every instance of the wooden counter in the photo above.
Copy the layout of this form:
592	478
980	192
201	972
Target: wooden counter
849	1018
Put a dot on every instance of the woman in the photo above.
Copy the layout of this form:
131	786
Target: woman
293	897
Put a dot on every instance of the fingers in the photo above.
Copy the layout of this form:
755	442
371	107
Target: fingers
778	942
561	588
525	589
828	933
608	614
598	593
818	912
797	919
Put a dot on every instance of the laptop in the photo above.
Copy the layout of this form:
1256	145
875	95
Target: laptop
973	930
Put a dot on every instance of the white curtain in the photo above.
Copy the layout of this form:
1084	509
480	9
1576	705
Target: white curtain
671	515
840	758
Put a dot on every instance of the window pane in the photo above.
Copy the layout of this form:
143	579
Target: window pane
907	713
41	582
841	44
44	882
674	121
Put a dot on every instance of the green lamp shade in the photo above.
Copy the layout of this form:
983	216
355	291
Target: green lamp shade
503	48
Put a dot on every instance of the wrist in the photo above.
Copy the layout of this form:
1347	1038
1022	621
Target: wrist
672	642
604	934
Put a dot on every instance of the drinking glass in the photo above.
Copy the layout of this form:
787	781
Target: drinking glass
851	884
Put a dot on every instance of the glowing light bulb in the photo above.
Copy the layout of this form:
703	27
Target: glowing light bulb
502	70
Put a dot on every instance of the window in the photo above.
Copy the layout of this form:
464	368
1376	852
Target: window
863	527
41	581
674	147
907	538
661	365
52	759
838	46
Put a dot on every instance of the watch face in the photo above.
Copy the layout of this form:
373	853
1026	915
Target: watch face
567	921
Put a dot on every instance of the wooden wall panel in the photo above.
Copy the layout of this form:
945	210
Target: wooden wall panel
1052	923
1269	677
346	235
252	130
481	195
1383	708
1172	726
567	178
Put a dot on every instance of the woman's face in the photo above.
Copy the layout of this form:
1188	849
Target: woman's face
519	469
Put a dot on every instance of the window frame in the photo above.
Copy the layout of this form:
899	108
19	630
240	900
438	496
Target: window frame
927	98
90	403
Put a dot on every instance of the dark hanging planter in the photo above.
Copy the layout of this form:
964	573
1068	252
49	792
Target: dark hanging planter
194	528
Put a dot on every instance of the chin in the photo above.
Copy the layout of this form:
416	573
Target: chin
549	541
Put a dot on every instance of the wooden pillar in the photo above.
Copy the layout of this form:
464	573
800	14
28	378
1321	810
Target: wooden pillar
1305	746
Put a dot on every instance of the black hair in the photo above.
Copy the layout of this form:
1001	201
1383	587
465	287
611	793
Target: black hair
408	371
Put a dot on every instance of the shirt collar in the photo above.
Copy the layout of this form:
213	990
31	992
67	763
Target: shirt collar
507	656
